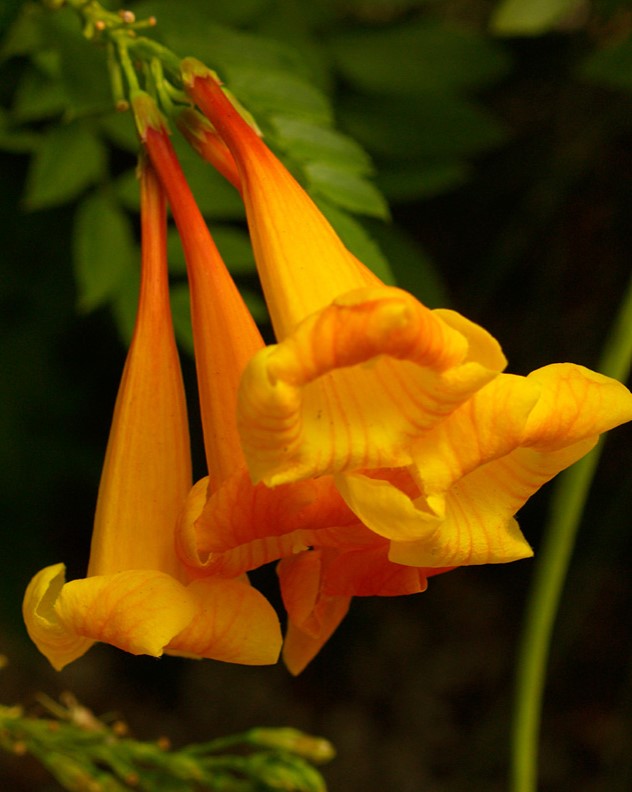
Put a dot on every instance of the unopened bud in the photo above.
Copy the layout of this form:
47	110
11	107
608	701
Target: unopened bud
316	749
146	114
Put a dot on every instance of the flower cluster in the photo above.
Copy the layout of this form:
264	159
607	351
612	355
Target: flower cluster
376	444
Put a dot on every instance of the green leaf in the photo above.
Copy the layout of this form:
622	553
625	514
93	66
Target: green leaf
119	128
416	57
181	314
256	305
272	93
126	190
358	240
531	17
413	269
16	140
231	12
125	301
235	248
24	35
104	250
310	143
611	66
415	179
380	8
68	159
433	127
82	66
215	197
175	253
233	244
345	189
38	96
192	28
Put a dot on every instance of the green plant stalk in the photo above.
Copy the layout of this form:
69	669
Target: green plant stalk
124	45
569	499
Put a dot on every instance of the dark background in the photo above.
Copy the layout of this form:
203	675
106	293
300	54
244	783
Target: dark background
415	693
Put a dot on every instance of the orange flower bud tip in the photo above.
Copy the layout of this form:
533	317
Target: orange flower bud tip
192	68
129	17
147	115
193	125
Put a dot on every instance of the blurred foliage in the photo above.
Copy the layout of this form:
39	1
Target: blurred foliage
423	72
497	132
87	754
306	75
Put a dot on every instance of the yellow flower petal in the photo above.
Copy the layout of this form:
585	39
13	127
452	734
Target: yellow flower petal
138	611
233	623
487	426
479	466
449	536
242	526
478	527
148	612
356	383
388	511
576	403
312	616
60	645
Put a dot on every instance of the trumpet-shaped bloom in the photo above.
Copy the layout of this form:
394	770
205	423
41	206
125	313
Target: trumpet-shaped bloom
137	595
230	525
365	381
360	369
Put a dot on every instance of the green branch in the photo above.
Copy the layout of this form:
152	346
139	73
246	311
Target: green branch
567	507
85	754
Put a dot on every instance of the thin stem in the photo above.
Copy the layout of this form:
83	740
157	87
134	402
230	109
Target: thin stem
567	507
125	48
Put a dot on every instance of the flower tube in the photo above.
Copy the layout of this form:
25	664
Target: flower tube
229	525
137	595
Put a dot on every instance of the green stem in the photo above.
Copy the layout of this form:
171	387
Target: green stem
567	506
119	31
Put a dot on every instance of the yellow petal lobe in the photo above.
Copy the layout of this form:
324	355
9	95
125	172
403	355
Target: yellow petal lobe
138	611
312	616
355	383
233	623
576	403
242	526
58	644
479	466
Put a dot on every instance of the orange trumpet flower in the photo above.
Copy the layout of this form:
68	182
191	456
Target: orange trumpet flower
137	595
